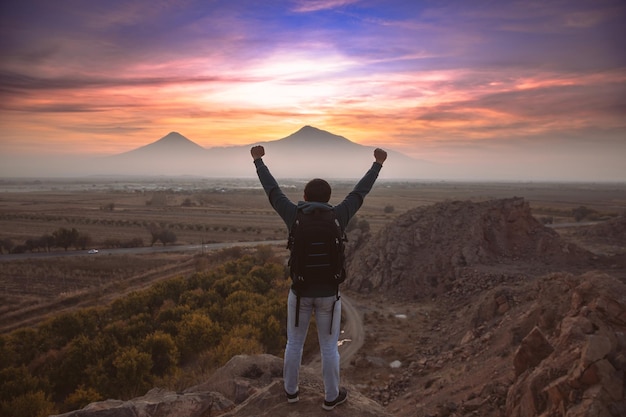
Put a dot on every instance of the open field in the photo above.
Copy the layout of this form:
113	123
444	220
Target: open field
202	210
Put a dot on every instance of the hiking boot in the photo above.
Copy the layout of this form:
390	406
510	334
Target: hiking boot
341	398
292	398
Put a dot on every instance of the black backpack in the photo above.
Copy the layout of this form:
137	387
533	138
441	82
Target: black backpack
316	242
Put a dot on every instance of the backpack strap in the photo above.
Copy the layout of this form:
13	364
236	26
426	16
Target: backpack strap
291	241
290	244
332	313
344	238
298	309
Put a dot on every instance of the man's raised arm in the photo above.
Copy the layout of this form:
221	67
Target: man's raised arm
279	201
353	201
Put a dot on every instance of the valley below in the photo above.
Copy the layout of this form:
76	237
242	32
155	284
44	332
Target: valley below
446	279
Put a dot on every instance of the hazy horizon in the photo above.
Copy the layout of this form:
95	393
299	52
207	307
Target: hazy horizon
236	162
477	90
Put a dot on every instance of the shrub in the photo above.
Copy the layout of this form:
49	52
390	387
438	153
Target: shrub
582	212
81	397
546	220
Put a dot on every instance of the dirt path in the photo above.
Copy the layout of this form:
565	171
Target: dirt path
353	335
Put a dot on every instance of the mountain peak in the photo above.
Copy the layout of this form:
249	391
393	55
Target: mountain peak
169	145
173	137
312	135
309	129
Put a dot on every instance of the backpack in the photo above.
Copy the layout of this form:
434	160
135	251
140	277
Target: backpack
316	244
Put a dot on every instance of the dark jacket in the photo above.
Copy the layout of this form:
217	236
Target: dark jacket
344	211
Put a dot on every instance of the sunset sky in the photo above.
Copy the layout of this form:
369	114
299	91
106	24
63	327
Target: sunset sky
496	89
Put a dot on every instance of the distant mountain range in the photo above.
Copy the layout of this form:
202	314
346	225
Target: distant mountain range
309	152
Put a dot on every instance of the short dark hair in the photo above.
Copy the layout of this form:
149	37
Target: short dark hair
317	190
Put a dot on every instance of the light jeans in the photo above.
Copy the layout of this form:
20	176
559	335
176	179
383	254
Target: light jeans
323	308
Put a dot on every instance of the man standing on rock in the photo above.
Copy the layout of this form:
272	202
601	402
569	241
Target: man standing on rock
322	299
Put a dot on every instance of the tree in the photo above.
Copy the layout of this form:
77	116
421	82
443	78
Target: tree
23	345
164	353
197	332
167	236
19	249
111	243
161	234
61	329
47	241
31	244
547	220
83	241
154	231
81	397
71	369
21	394
132	372
582	212
64	237
132	304
272	334
16	381
135	242
31	404
6	355
169	316
236	345
170	289
244	307
6	244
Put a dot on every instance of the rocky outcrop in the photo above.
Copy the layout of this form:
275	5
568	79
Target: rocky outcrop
158	403
577	369
246	386
429	250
